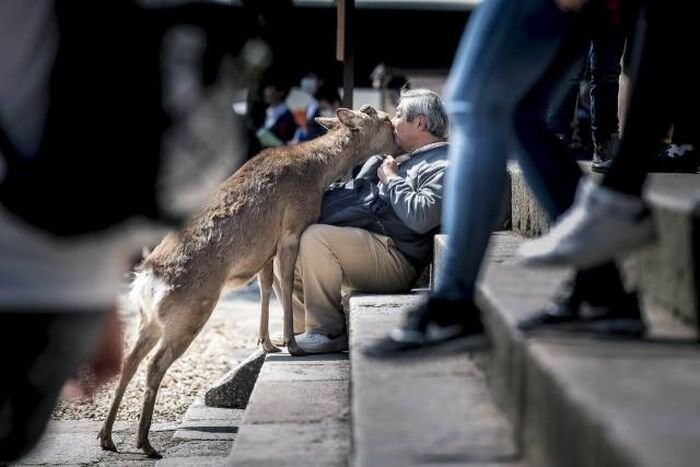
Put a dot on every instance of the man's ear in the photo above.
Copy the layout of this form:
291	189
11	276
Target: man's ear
422	121
327	122
349	118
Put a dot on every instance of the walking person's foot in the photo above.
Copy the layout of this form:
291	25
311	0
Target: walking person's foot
432	323
614	315
602	224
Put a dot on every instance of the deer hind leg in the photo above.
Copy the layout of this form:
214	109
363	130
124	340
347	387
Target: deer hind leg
287	250
148	335
179	332
265	278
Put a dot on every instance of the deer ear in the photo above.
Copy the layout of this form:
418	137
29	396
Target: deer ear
369	110
327	122
349	118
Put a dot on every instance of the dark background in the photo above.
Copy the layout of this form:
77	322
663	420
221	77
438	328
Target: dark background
400	38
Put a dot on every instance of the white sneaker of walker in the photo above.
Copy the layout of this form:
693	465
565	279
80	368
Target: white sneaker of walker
602	224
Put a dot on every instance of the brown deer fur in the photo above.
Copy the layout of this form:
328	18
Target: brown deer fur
257	214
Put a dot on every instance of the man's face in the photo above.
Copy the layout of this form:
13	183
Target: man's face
405	132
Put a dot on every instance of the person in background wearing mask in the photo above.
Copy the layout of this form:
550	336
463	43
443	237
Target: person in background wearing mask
328	101
310	84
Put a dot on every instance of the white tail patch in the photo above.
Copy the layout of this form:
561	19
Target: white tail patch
147	291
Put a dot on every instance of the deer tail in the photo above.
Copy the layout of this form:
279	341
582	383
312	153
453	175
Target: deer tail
147	291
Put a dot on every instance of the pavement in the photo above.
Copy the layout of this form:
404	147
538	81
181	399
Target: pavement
203	437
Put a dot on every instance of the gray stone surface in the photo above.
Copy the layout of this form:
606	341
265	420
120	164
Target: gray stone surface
197	449
73	443
297	401
211	461
199	411
306	370
209	423
666	271
234	389
325	443
582	401
432	408
298	413
527	216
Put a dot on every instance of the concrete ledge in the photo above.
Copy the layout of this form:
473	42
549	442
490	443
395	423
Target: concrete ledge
528	218
234	389
421	410
581	401
665	272
297	414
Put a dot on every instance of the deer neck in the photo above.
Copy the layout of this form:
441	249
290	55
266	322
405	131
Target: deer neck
341	154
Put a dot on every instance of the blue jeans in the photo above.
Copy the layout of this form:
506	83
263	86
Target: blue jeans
497	94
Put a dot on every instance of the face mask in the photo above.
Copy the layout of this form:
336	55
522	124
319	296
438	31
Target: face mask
327	113
309	85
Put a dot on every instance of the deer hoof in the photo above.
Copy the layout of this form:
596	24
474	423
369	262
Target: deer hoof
106	442
149	451
269	347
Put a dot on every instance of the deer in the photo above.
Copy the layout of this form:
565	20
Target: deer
257	215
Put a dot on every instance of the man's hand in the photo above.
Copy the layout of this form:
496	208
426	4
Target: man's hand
388	170
570	5
104	362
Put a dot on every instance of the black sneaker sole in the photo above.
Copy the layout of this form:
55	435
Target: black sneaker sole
389	348
630	328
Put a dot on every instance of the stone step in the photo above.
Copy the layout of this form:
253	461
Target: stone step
429	410
579	401
297	415
668	273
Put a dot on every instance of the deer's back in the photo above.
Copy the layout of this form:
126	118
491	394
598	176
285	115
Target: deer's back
240	226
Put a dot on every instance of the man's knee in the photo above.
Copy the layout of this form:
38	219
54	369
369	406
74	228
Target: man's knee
313	237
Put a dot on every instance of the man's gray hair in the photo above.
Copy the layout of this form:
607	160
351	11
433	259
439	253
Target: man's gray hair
425	102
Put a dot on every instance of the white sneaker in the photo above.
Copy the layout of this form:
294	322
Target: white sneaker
312	342
601	225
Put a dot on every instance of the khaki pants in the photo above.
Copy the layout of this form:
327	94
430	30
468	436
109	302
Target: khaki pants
331	258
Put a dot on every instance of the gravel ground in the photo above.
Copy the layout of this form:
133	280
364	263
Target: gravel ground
228	337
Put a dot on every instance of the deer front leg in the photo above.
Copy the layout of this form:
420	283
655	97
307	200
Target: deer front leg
265	278
287	250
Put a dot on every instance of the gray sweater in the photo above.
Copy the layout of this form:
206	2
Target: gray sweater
413	202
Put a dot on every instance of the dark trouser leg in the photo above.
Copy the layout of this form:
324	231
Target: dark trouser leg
662	78
551	170
605	56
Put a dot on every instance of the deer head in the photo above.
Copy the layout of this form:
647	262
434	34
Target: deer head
369	129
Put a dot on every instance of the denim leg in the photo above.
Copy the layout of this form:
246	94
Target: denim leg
605	57
548	165
505	49
562	106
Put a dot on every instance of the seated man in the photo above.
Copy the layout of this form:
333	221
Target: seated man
396	245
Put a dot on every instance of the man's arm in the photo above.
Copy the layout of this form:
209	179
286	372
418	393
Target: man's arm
418	205
369	168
